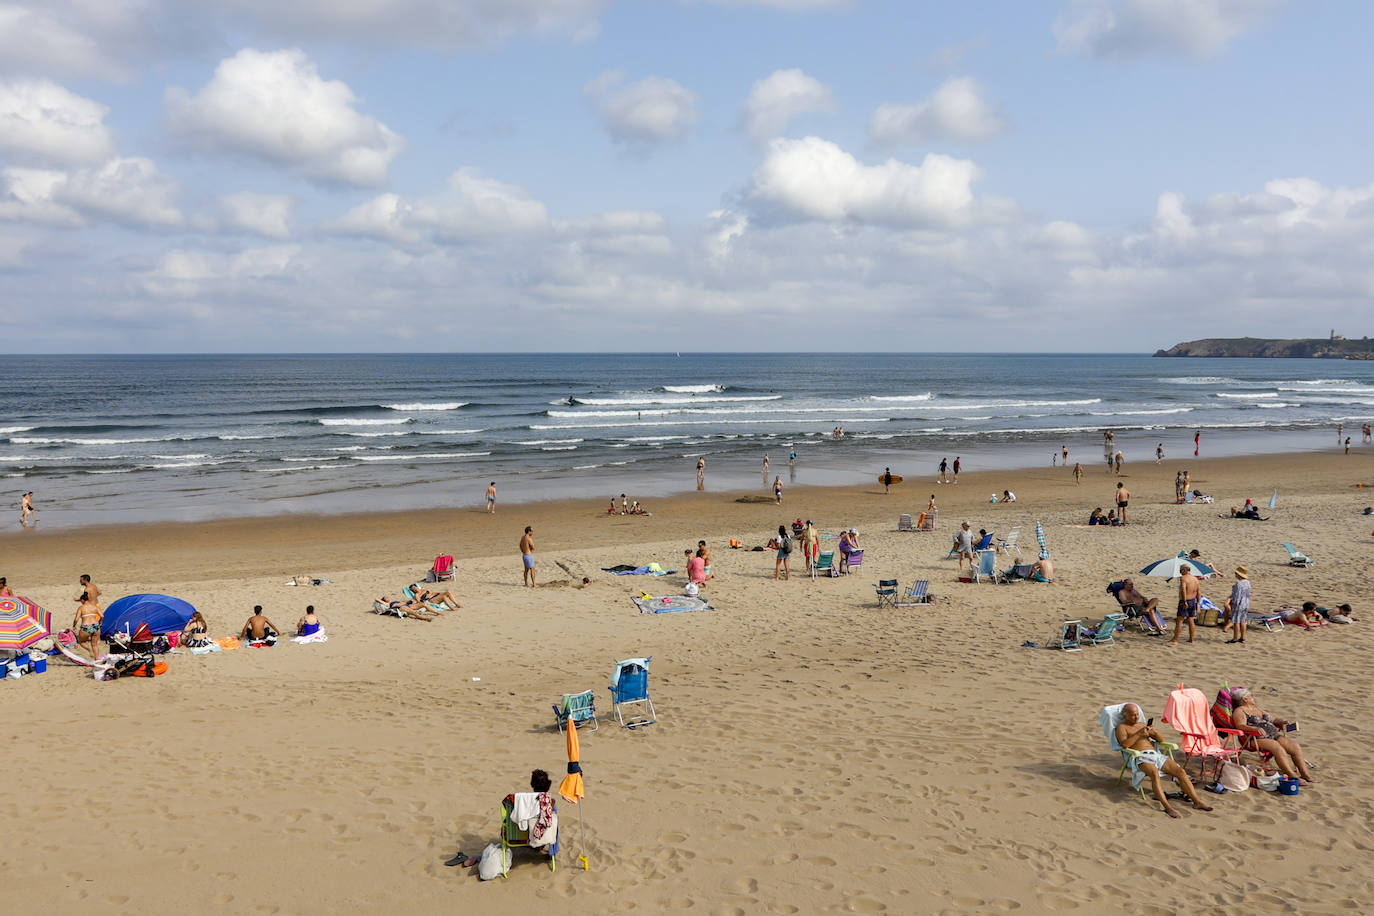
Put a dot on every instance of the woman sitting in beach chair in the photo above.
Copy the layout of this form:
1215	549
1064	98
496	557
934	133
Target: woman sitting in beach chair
1266	734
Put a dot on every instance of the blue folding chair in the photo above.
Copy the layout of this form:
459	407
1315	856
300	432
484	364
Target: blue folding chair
986	568
630	687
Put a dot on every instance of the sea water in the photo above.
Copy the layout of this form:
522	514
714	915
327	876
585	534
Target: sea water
141	438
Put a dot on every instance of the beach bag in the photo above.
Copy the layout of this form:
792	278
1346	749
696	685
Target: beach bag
1207	617
1234	777
493	864
1269	782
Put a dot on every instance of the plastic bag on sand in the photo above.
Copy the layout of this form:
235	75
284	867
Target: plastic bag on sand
490	865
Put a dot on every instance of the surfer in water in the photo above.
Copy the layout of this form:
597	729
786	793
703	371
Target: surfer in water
572	401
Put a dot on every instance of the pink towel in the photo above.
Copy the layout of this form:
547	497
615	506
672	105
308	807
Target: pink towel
1187	711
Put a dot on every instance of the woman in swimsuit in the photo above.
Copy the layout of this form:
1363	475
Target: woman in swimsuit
444	597
193	636
5	589
86	623
1265	733
308	625
396	608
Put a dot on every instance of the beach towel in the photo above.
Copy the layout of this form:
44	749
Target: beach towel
671	604
317	636
1187	711
653	569
228	643
206	649
525	809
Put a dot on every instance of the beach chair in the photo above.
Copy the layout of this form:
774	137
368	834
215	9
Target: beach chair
918	593
513	837
1070	633
927	520
578	707
1188	712
887	592
853	561
630	687
1009	543
904	523
824	565
1222	707
443	568
410	596
1268	619
986	570
1105	632
1296	557
1110	718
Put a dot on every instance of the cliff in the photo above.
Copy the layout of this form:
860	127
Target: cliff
1265	348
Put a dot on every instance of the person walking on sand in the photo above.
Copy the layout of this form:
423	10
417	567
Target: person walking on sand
1077	473
26	509
1347	445
527	555
1065	451
1120	460
781	563
701	473
1189	591
1123	497
887	481
491	497
958	463
777	490
944	468
86	623
1159	453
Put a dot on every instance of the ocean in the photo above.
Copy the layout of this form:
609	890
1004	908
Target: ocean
147	438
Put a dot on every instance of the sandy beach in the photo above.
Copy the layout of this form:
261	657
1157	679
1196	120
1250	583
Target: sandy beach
812	754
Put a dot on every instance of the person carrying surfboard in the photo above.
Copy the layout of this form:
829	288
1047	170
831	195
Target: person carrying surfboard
887	480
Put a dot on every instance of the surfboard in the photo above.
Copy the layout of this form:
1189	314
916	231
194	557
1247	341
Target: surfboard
896	478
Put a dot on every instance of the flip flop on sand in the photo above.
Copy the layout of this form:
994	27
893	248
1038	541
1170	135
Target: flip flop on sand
461	859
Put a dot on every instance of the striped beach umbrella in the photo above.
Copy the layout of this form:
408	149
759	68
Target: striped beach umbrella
22	623
1040	538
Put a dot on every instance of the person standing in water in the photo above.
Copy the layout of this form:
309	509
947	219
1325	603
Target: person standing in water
26	509
701	473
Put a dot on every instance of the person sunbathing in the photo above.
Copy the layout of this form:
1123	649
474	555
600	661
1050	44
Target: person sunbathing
1306	617
396	608
1042	570
1135	603
259	629
1265	733
309	624
1134	735
194	634
445	597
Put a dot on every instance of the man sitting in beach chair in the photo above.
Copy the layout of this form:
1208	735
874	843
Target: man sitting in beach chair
1138	607
1146	754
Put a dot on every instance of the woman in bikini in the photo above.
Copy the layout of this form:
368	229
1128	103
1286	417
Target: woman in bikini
445	597
86	623
194	635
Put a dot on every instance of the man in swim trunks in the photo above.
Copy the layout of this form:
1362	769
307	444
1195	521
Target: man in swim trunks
1065	450
527	555
89	591
26	509
259	629
1042	570
1132	600
1123	497
1134	735
491	497
1189	591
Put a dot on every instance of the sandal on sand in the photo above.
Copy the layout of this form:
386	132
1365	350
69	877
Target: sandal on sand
458	859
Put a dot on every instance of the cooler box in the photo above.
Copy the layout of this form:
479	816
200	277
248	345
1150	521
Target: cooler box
38	665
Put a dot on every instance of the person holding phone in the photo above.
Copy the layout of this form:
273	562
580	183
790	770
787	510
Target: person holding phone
1265	733
1134	735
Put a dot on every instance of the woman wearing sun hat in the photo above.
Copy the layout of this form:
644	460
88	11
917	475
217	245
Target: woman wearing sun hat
1238	605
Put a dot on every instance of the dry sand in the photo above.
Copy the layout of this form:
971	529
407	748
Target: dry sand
812	754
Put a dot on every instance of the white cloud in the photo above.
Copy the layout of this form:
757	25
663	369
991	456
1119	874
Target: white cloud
817	180
72	37
267	215
474	208
273	105
1131	28
183	273
130	192
43	121
615	222
653	111
956	111
795	5
780	97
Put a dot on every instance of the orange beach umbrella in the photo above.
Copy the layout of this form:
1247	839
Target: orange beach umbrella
572	788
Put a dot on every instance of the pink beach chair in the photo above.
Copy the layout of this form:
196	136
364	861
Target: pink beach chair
443	568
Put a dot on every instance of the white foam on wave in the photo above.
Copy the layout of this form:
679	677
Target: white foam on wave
1133	413
1314	381
754	420
111	471
427	455
655	402
1344	389
628	439
449	432
322	458
423	406
376	435
902	397
360	421
549	441
558	448
180	464
8	430
357	448
228	438
179	457
1247	394
693	389
1197	380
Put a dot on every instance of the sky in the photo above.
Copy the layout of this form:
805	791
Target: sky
689	175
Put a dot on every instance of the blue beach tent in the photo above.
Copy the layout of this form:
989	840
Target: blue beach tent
162	614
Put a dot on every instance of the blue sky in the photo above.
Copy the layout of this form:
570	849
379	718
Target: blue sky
244	175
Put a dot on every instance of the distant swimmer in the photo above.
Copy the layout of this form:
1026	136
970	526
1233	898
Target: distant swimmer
1159	453
1065	451
572	401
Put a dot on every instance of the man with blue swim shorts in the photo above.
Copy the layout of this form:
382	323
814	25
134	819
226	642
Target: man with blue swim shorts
1189	591
527	555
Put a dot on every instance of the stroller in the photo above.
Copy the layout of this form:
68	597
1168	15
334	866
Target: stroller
135	651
